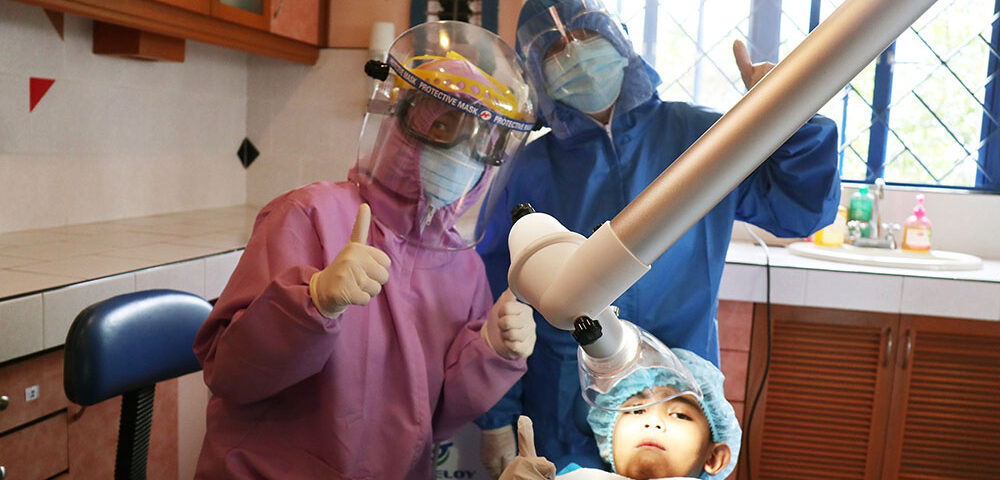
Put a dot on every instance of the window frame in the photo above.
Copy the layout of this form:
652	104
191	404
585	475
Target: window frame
763	41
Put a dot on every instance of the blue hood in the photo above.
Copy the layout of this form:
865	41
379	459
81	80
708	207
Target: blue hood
534	37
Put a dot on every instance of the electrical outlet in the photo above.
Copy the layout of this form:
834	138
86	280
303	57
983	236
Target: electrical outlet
31	393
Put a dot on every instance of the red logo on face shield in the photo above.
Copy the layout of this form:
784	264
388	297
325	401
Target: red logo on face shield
485	115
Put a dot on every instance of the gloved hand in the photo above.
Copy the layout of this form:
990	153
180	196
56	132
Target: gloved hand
354	276
528	465
497	448
751	73
510	328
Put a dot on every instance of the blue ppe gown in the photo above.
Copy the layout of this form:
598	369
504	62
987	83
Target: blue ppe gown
583	173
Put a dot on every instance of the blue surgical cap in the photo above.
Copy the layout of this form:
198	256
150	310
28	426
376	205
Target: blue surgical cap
721	417
535	35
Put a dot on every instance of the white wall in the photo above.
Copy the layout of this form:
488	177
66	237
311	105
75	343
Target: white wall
305	120
963	222
113	137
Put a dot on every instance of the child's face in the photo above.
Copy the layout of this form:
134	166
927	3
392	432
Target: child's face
669	439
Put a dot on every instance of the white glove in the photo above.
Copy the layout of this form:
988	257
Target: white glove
527	465
497	448
354	276
510	328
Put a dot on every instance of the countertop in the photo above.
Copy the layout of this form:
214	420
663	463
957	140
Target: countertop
48	276
38	260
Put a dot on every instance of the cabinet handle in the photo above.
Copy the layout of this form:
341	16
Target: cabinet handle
281	3
909	348
3	472
888	348
4	401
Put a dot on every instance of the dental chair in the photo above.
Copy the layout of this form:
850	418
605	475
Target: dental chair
123	346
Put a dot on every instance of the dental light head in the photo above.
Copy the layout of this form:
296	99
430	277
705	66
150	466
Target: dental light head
571	281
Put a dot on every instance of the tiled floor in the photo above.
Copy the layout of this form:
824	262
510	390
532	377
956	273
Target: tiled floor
34	260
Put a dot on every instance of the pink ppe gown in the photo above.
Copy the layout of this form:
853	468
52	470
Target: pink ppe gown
363	396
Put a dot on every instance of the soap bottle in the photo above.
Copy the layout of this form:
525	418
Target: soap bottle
833	235
861	210
917	229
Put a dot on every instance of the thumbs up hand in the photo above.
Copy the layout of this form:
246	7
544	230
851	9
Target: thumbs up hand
750	72
354	276
527	465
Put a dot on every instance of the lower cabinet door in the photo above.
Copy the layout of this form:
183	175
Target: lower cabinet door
36	451
946	419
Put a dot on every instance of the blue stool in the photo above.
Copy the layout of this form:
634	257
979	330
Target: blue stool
123	346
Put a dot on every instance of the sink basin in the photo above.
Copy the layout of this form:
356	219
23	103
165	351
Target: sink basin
933	260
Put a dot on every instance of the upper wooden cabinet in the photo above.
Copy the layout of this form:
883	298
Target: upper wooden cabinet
299	19
200	6
286	29
860	395
294	19
252	13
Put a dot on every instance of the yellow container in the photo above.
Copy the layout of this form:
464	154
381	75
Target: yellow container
833	235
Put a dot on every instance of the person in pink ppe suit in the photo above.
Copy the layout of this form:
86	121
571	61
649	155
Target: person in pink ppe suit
358	327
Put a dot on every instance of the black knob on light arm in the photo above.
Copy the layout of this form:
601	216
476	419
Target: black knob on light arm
377	70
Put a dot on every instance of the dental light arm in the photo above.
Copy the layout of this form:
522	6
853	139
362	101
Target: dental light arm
572	281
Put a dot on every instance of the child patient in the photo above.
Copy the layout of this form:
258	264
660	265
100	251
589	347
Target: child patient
680	437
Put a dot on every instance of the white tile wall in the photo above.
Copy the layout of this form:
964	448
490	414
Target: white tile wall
113	137
305	121
218	269
748	283
745	283
788	285
948	298
186	276
14	105
854	291
22	330
31	323
26	32
62	305
963	222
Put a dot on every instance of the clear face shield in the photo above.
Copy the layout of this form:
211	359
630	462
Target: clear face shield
575	44
654	375
454	105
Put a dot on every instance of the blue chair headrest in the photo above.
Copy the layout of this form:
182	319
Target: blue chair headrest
131	341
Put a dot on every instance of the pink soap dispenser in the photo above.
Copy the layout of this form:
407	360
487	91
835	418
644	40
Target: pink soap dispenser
917	229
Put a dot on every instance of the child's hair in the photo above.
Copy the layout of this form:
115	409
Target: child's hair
721	417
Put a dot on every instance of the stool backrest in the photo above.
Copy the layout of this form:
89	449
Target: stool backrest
124	345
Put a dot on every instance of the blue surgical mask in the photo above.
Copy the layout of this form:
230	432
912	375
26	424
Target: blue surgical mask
447	174
587	75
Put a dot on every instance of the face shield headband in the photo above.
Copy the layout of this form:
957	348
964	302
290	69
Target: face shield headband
482	112
551	30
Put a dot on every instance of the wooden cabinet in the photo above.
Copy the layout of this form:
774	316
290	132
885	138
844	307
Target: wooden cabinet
200	6
93	437
36	451
50	436
945	419
298	19
859	395
286	29
252	13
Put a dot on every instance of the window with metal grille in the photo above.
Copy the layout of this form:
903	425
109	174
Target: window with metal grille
926	113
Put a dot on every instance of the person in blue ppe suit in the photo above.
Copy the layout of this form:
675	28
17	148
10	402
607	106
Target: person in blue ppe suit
611	135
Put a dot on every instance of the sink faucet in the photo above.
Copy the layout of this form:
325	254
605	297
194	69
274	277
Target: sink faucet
877	208
880	235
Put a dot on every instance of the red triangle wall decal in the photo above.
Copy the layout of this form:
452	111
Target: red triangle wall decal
39	87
